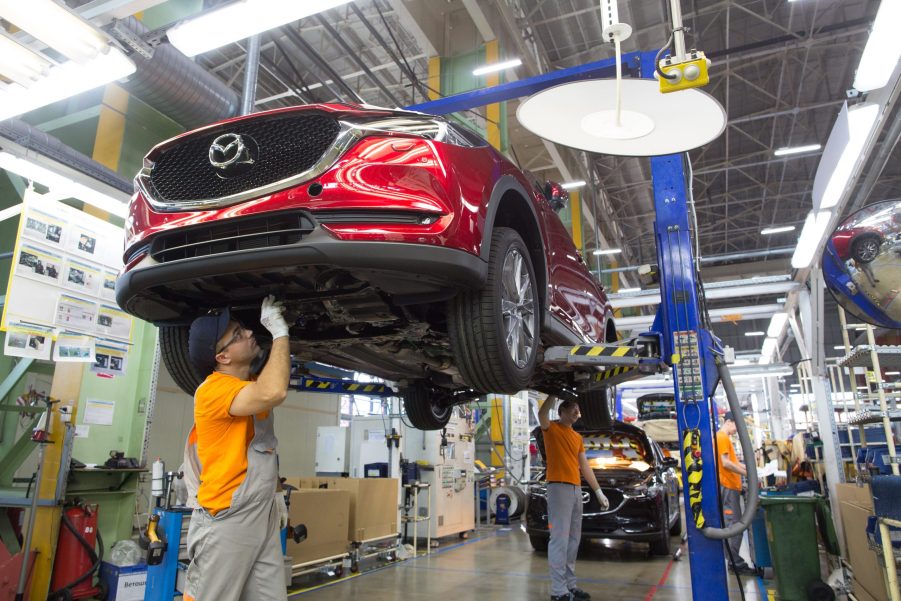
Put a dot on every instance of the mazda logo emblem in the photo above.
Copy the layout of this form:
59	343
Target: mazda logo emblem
585	498
230	152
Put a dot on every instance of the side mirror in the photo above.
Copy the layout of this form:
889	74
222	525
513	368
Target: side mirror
556	195
670	462
862	264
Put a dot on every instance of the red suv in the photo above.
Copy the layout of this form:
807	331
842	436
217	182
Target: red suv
403	245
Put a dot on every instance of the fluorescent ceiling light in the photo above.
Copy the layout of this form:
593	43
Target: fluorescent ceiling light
893	373
61	186
777	230
860	122
767	350
883	49
493	68
240	20
840	347
64	81
20	64
811	237
777	324
53	24
755	333
571	185
785	151
627	290
608	251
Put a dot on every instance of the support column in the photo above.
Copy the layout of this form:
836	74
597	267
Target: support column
493	111
66	386
251	68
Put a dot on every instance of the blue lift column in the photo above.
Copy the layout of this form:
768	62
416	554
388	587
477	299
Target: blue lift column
690	350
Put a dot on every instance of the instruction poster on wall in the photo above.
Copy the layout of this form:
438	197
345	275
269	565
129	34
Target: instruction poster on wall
74	348
110	359
25	340
65	267
99	413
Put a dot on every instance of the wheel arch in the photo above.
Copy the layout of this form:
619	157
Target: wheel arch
509	206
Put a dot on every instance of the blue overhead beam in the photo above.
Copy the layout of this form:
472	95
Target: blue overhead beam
526	87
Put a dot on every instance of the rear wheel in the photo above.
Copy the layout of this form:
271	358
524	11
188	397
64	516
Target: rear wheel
539	542
494	330
594	405
425	407
174	351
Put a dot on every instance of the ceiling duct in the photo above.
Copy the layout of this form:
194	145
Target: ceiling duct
179	88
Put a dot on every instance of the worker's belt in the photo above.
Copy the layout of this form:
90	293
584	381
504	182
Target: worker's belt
691	452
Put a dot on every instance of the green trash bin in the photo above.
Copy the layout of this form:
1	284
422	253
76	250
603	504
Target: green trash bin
791	531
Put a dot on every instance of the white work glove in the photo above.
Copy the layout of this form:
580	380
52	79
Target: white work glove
605	504
282	509
271	317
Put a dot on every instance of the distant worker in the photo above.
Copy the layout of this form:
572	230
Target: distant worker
565	453
731	472
234	537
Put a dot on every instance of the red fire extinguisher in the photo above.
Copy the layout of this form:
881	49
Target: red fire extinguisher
76	560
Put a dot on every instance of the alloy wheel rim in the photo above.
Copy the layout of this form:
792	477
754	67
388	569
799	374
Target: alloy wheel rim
518	308
868	250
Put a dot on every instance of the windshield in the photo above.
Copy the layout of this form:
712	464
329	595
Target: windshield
617	451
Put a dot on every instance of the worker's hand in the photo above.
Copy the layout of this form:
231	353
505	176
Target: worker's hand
271	317
282	509
602	500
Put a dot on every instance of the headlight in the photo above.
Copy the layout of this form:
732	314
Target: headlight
429	129
638	491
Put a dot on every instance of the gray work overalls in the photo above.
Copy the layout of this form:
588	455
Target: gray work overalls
236	555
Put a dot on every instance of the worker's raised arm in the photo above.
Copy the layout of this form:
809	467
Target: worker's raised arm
271	387
544	413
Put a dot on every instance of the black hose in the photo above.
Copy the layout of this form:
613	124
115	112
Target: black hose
657	60
95	557
748	451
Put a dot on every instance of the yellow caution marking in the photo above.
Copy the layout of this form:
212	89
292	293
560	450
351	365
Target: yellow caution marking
597	350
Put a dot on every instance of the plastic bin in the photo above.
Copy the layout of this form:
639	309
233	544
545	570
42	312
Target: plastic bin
759	542
791	530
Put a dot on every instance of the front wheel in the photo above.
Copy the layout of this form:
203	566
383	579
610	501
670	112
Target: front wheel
866	249
539	543
174	351
427	408
494	331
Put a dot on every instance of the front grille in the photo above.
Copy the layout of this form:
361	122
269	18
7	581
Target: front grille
235	234
284	146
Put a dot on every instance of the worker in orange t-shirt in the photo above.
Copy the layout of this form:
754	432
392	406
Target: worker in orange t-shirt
234	537
730	471
566	466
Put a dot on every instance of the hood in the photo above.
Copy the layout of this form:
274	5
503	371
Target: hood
620	451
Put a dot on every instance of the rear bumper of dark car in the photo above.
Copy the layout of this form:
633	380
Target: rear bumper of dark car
146	289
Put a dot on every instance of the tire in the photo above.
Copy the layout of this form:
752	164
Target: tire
866	248
479	328
539	542
174	350
676	529
661	546
421	402
817	590
595	408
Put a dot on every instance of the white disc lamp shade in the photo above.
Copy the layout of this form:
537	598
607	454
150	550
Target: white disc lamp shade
582	115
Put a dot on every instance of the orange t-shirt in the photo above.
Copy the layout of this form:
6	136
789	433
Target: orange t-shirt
222	440
562	446
728	479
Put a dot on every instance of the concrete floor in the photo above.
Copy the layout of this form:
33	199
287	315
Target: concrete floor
499	563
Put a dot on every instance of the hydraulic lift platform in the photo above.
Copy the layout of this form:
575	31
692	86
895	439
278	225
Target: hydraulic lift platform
611	364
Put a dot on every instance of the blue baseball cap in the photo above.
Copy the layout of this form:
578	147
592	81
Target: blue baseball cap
205	332
728	416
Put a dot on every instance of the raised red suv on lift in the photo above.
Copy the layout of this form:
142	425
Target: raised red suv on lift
403	245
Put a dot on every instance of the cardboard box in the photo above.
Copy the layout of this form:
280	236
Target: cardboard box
864	562
373	506
124	583
860	592
373	503
856	495
325	513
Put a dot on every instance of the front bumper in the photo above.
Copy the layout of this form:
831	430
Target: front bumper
146	289
635	519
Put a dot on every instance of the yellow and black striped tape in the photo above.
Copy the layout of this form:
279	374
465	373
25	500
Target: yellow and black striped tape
612	372
316	384
365	387
594	350
694	468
